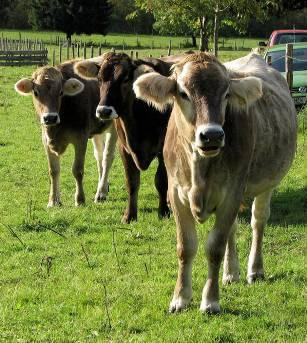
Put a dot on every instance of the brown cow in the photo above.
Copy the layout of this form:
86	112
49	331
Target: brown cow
141	128
231	135
66	110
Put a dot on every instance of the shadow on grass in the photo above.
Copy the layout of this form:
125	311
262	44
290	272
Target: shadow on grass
287	208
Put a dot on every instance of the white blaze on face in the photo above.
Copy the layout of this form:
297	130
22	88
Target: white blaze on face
106	112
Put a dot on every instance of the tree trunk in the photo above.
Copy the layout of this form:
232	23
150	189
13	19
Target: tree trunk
193	40
216	31
204	39
68	37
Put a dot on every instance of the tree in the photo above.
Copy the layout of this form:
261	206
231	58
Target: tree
205	16
71	16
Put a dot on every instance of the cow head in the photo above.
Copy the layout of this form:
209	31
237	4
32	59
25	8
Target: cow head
116	73
201	89
47	87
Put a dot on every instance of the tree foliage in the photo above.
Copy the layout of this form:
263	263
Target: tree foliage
71	16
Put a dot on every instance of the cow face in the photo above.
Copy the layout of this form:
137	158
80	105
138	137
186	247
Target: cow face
200	88
47	88
115	74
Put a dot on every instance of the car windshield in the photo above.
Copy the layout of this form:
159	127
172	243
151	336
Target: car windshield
299	59
284	38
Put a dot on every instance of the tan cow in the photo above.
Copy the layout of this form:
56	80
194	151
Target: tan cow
66	108
231	136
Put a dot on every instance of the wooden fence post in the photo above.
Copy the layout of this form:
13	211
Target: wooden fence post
84	51
269	61
169	48
60	46
53	58
92	51
100	49
289	65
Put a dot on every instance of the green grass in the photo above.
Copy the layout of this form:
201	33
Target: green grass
79	275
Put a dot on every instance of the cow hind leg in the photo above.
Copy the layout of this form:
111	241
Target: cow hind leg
161	186
186	250
260	216
78	171
231	272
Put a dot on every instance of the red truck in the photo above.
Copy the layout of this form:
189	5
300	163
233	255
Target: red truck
286	36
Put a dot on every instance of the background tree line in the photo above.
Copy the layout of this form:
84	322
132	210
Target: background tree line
194	18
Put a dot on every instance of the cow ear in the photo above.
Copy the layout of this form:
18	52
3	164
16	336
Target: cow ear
155	89
72	87
87	69
24	87
245	91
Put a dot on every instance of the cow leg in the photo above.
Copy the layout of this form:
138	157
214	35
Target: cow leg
78	171
215	250
231	271
54	174
132	184
186	250
161	186
104	157
260	216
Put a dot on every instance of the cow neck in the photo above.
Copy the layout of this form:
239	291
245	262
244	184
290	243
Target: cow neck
128	127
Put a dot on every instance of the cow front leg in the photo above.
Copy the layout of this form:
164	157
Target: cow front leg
132	185
231	271
161	186
186	251
215	250
104	154
54	175
260	216
78	171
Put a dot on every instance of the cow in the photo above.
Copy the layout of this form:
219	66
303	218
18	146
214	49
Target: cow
66	107
231	136
140	127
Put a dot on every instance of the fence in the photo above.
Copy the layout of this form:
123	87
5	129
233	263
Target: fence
22	52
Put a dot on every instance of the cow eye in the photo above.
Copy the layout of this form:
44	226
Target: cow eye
183	95
35	92
126	80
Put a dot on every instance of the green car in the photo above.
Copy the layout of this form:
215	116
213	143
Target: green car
299	89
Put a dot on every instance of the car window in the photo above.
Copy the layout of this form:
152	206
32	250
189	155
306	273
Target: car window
284	38
299	59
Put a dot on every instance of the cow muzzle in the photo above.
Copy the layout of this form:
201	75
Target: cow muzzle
106	112
50	119
209	139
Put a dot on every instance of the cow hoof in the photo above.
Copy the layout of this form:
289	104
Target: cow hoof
53	203
100	197
165	213
178	304
210	307
253	277
230	278
127	219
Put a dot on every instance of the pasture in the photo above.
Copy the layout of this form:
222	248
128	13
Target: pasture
79	275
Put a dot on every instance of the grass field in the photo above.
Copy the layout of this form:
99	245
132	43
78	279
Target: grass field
79	275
